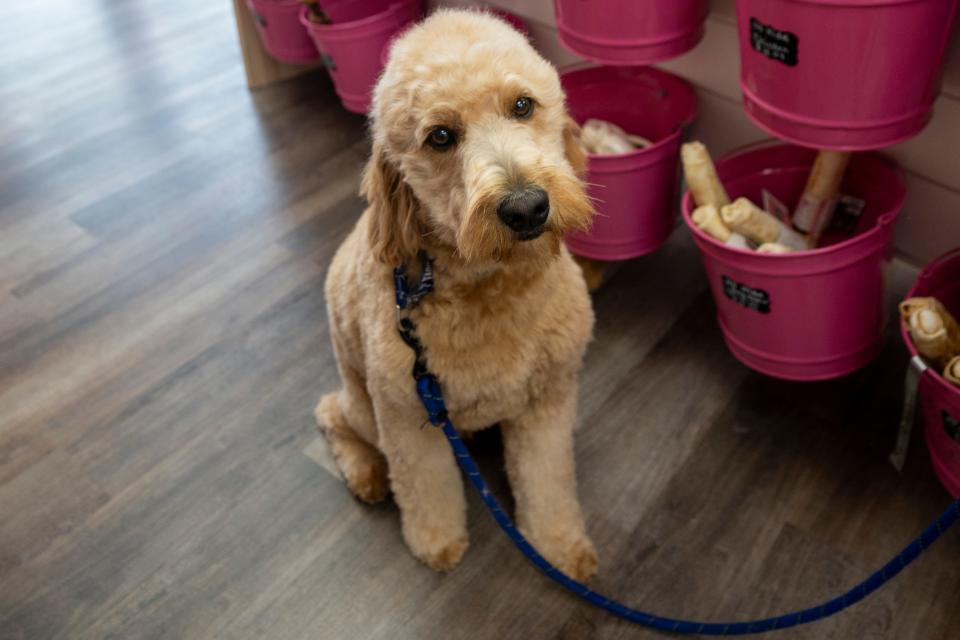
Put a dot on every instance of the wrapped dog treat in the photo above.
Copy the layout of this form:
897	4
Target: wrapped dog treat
820	195
952	371
774	247
737	241
702	176
746	218
707	217
935	333
606	138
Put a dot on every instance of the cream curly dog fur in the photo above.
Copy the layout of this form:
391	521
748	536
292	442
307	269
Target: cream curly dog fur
476	162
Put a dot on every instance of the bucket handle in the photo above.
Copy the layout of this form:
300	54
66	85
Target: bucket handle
886	219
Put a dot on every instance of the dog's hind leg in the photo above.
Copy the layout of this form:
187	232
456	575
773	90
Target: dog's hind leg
346	419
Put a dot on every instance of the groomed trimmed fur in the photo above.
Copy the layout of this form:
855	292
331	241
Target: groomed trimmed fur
507	325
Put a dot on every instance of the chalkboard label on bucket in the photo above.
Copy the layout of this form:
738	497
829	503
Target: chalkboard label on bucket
773	43
951	426
753	299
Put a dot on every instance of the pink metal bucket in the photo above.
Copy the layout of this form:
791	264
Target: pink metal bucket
515	21
940	400
630	32
349	10
280	30
352	51
635	193
842	74
809	315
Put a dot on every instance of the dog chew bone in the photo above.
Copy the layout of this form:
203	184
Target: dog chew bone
605	138
935	333
701	176
774	247
819	196
707	218
952	371
746	218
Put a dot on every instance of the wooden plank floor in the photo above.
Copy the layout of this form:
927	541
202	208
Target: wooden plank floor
164	236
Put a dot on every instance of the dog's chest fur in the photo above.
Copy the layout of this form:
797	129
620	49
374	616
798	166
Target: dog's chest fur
499	347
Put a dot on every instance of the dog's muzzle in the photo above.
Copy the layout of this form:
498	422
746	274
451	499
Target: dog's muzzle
525	211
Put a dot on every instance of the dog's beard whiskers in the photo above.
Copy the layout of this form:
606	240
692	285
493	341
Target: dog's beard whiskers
571	209
594	199
594	184
481	234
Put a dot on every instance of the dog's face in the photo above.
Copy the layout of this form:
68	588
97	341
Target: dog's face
473	147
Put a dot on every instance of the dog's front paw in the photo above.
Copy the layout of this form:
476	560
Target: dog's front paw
439	550
571	552
447	556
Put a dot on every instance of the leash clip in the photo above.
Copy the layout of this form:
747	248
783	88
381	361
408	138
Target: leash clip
427	385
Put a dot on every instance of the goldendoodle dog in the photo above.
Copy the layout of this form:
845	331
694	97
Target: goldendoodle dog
475	164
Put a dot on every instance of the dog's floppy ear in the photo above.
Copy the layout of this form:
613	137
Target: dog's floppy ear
572	147
393	230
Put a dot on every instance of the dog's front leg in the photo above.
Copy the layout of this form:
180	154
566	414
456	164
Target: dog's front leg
539	454
426	485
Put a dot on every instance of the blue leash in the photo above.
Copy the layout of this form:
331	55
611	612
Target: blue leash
431	395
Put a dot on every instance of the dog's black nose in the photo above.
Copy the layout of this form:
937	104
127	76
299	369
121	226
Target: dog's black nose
525	210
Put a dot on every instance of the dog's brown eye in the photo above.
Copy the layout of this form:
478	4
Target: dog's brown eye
523	107
441	138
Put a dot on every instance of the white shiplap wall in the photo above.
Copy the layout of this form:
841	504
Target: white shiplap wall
930	223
